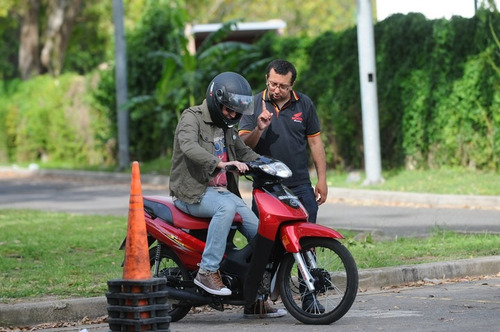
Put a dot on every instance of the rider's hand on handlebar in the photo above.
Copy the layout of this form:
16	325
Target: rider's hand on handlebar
235	166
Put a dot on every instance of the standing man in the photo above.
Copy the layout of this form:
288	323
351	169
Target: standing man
283	125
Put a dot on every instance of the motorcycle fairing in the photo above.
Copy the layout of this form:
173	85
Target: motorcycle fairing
272	212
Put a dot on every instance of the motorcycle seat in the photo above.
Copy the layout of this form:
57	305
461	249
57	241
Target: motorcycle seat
163	207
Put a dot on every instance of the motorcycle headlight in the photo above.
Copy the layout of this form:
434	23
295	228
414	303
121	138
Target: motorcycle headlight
278	169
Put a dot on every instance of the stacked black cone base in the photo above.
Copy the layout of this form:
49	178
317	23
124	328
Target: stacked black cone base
138	305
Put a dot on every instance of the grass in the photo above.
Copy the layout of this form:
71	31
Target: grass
66	255
439	181
58	254
441	245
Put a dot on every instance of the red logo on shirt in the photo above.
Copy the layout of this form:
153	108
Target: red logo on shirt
297	117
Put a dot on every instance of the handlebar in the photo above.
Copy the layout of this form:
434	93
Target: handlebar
263	166
231	168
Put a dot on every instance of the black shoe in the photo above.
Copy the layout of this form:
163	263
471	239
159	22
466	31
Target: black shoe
262	309
311	305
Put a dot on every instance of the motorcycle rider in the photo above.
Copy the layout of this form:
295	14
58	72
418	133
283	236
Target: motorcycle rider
205	143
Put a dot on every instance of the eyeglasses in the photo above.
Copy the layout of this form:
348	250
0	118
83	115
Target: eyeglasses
274	85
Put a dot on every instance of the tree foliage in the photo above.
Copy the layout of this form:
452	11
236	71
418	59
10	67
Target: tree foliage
303	18
53	36
54	120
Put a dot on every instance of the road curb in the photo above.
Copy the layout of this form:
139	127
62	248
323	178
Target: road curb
393	276
33	313
67	310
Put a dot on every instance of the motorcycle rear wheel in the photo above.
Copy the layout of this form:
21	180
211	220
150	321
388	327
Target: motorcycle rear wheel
335	279
174	271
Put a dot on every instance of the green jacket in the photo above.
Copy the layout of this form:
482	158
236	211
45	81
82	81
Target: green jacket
194	162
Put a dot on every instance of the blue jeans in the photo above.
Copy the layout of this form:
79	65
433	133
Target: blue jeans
221	206
305	194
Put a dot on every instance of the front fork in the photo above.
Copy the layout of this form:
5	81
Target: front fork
304	268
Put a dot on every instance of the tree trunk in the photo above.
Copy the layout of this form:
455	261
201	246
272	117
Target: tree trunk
29	62
61	19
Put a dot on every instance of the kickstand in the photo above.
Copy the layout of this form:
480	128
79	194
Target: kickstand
217	304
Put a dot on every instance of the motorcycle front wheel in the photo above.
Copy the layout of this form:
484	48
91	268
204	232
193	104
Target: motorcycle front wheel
335	276
171	268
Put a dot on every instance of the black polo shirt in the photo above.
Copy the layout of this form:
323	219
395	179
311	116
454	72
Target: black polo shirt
286	137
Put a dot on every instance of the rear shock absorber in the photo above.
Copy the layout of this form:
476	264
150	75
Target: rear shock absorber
156	270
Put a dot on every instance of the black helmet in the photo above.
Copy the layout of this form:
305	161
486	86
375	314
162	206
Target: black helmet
233	91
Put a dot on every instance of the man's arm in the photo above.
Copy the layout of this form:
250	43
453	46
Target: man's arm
319	159
251	138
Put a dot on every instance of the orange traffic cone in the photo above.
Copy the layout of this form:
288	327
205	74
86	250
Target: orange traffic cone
136	302
136	265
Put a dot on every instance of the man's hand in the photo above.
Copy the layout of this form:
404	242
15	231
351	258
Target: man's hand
265	118
240	167
321	192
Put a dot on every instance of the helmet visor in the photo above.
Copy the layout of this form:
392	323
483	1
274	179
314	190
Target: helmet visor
242	104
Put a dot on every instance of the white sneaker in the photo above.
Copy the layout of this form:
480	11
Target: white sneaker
211	282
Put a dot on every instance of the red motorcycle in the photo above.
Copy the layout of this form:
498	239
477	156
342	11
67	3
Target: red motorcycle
289	257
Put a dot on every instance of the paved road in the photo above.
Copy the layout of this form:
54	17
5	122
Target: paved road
472	305
467	306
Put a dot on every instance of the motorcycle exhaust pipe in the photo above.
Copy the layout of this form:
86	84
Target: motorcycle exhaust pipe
184	295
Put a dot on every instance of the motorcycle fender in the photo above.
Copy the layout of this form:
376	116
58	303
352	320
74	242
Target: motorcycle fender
291	234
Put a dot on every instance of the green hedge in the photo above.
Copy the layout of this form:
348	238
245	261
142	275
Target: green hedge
438	92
